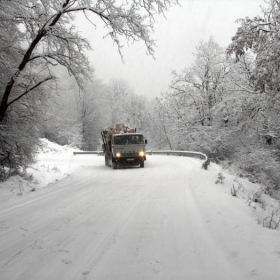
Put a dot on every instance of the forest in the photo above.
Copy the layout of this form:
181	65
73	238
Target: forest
225	104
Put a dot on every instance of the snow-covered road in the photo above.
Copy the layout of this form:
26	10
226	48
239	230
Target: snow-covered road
168	220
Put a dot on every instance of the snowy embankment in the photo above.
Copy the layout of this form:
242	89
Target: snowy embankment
169	220
48	170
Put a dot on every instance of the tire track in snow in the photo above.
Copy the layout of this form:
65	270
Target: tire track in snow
100	204
45	232
42	196
125	224
107	241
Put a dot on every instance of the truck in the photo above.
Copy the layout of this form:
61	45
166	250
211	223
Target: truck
123	146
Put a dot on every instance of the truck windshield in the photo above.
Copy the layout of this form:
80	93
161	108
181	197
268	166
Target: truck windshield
128	139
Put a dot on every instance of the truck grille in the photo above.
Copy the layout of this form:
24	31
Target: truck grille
129	154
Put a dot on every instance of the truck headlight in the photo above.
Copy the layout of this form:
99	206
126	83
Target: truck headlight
141	154
118	154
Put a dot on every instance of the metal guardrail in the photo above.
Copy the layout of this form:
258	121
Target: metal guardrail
167	152
185	154
100	153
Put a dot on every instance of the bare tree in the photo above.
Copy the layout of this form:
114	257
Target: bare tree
46	37
203	82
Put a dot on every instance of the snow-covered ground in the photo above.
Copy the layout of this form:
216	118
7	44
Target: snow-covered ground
169	220
54	164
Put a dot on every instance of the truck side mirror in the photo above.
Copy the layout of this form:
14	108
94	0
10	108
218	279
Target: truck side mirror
146	141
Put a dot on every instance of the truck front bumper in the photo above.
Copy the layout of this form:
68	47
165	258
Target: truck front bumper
129	160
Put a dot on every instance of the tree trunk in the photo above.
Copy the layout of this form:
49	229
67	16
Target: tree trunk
41	33
5	99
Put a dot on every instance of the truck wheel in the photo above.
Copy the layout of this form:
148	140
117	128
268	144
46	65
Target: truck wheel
106	160
142	164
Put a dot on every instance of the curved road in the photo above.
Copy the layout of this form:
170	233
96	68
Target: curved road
168	220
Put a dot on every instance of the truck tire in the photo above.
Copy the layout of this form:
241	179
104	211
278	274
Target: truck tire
142	164
106	160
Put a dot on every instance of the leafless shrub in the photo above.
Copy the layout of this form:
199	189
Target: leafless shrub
272	221
220	178
21	188
256	197
234	190
55	169
30	178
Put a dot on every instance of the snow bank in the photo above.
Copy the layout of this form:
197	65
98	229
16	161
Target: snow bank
49	169
266	209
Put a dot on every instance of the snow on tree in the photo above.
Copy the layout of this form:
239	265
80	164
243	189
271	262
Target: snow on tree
194	94
161	125
38	36
50	38
260	35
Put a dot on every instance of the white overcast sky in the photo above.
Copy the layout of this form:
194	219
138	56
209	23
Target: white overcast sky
176	37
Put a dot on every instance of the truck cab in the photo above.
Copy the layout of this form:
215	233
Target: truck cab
124	148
